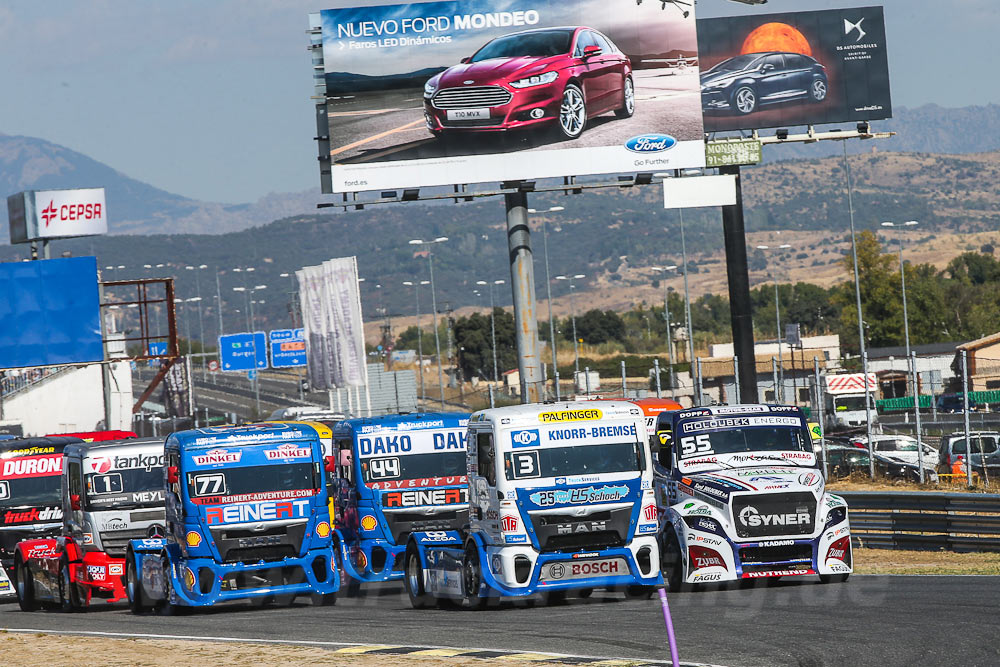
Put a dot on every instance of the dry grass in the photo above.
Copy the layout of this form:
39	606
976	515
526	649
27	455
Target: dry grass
887	561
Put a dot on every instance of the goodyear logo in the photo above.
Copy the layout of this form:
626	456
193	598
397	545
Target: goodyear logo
590	414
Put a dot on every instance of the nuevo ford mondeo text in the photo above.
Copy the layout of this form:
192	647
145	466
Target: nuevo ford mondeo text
554	78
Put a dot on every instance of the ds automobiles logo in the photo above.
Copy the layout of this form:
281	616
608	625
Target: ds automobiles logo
848	27
49	213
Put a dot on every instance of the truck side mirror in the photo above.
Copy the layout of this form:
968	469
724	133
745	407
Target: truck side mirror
171	474
329	464
74	502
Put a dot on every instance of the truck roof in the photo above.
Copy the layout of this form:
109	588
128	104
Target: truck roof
236	436
555	413
403	422
23	446
738	409
85	449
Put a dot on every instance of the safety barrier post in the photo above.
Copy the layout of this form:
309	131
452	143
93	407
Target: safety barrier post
624	388
820	416
965	415
916	413
701	389
656	370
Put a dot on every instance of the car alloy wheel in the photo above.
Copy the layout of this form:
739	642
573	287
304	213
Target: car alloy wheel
572	112
628	99
818	90
746	100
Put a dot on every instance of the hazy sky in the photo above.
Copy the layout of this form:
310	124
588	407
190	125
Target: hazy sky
210	99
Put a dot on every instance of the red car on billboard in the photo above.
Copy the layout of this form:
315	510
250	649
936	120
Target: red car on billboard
557	78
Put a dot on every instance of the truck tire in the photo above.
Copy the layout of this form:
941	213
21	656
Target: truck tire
472	578
833	578
585	593
639	592
413	579
24	585
671	564
133	586
166	607
323	599
69	592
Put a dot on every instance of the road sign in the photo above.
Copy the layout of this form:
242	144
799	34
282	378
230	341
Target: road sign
251	375
213	365
156	348
243	351
732	151
288	348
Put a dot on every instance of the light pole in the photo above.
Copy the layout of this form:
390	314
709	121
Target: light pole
902	279
201	322
437	336
548	290
779	391
493	327
420	335
253	319
666	317
572	310
244	270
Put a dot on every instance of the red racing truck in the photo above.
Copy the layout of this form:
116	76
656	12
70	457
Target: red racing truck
111	493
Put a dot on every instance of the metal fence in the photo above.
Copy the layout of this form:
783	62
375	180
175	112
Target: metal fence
909	520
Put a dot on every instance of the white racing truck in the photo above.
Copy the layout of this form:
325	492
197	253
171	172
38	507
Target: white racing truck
741	497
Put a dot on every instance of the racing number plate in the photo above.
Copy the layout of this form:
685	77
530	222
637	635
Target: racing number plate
584	569
468	114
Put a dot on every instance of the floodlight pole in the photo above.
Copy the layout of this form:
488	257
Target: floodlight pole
522	283
740	309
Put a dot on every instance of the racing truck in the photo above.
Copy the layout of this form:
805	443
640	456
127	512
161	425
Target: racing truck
560	501
30	506
112	492
396	475
246	518
741	497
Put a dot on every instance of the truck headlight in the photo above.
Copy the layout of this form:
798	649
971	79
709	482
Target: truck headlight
535	80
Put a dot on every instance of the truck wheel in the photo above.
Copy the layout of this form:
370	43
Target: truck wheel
555	598
133	586
638	592
25	586
323	599
671	564
413	579
69	592
166	607
833	578
585	593
472	577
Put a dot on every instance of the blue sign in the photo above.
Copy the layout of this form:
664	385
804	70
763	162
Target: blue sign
251	375
243	351
288	348
157	348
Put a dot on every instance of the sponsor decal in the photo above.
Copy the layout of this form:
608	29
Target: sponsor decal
515	539
33	515
114	523
557	570
646	484
708	561
777	573
265	511
711	490
509	524
594	432
496	564
368	522
590	414
767	478
31	466
707	524
739	422
688	506
116	569
436	536
419	498
287	451
41	552
96	572
454	480
583	496
88	538
700	510
649	513
838	567
703	539
706	577
776	543
650	143
525	438
217	457
103	464
749	516
581	527
386	444
287	494
646	528
189	579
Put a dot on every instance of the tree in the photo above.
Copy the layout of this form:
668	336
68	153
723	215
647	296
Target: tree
475	345
596	327
408	339
881	296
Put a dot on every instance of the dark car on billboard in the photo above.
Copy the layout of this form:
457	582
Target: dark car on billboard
745	83
557	78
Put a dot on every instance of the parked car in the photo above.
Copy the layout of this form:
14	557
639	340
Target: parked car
899	447
954	403
745	83
845	460
984	444
551	77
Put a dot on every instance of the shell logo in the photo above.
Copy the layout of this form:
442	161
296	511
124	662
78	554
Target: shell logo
188	579
362	560
368	522
323	529
193	538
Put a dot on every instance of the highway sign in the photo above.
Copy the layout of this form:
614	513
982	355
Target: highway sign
288	348
243	351
251	375
213	365
156	348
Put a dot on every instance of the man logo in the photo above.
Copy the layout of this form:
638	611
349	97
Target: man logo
526	438
848	27
49	213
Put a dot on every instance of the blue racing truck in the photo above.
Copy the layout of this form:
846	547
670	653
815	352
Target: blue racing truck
396	475
742	497
246	518
560	500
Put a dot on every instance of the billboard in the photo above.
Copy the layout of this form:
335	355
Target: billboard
799	68
49	313
36	215
470	91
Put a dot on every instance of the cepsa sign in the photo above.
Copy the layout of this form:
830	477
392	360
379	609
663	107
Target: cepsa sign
54	214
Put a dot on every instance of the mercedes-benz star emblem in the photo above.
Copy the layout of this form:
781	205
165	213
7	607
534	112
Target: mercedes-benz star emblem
155	531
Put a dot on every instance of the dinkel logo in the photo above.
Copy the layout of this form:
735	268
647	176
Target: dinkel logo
49	213
849	27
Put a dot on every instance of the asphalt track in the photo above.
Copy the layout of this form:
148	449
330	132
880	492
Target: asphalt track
868	621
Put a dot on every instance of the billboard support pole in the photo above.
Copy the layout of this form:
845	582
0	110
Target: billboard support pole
522	282
740	309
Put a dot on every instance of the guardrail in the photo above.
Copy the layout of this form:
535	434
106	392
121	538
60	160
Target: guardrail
913	520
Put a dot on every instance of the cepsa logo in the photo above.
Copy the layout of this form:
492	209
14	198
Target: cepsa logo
72	212
425	497
217	457
32	466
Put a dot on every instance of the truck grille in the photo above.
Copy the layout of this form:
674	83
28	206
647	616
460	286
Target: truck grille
401	524
780	554
115	542
471	97
269	544
774	514
568	532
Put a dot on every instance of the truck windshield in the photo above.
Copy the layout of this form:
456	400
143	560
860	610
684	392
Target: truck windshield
850	403
252	483
122	488
413	466
577	460
30	491
743	439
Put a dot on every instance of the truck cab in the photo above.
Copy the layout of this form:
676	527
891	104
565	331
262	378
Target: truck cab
246	518
742	497
397	474
560	500
112	492
30	504
844	400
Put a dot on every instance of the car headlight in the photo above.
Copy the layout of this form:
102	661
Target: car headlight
535	80
430	87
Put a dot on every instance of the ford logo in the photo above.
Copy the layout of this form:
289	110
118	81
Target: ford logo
650	143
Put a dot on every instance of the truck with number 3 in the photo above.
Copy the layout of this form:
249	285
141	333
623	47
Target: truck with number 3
560	501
